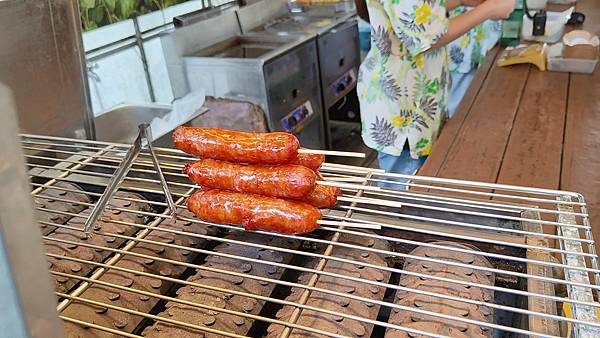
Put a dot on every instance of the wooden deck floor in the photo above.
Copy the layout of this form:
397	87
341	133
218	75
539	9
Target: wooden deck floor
520	126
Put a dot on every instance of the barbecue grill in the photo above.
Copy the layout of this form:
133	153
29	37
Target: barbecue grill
452	258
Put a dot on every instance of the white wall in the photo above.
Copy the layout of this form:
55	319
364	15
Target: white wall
119	78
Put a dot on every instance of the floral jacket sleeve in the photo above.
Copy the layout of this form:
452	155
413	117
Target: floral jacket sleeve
418	23
468	51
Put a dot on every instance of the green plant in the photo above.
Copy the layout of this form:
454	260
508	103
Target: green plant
97	13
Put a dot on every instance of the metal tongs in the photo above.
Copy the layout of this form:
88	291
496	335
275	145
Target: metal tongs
143	141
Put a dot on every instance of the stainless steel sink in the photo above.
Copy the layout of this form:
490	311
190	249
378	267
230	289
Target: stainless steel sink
120	123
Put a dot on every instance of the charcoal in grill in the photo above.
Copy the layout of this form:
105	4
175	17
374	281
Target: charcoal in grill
58	205
438	325
124	321
106	224
218	320
336	323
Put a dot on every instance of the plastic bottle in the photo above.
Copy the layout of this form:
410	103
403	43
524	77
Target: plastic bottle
511	27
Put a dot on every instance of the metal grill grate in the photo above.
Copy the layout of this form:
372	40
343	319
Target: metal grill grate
452	258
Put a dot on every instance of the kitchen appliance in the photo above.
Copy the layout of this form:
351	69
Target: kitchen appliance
279	73
186	40
338	50
204	13
545	26
450	255
323	6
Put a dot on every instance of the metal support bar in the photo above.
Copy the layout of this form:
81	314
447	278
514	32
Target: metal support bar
140	44
143	140
33	304
579	311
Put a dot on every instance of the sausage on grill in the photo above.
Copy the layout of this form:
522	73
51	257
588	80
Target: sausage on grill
285	181
235	146
312	161
323	197
254	212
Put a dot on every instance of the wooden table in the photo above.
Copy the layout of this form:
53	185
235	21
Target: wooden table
520	126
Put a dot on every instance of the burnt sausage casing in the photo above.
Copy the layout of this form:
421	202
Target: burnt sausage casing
312	161
236	146
254	212
285	181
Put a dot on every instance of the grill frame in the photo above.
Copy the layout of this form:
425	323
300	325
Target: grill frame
524	205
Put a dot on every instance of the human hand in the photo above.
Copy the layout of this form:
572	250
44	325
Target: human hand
472	3
499	9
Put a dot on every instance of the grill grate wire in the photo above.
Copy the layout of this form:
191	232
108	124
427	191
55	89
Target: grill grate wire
456	210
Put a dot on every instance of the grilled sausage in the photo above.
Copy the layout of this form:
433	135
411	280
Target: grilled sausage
254	212
323	197
235	146
312	161
285	181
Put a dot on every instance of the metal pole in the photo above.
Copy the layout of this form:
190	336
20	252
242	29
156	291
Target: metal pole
139	39
30	305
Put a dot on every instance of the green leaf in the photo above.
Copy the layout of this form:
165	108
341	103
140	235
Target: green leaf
110	5
146	3
433	87
125	8
169	3
422	143
91	25
86	4
97	15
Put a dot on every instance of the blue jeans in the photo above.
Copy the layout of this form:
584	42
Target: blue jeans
460	85
403	164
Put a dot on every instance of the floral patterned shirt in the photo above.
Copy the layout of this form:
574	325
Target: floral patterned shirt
468	51
403	82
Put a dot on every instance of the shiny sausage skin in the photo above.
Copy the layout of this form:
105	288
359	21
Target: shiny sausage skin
235	146
312	161
323	197
254	212
285	181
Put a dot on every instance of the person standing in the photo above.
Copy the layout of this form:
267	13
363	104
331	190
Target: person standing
404	81
467	53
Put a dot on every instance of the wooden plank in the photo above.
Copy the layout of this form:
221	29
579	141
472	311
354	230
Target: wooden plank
534	150
479	147
436	159
592	9
581	163
533	155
